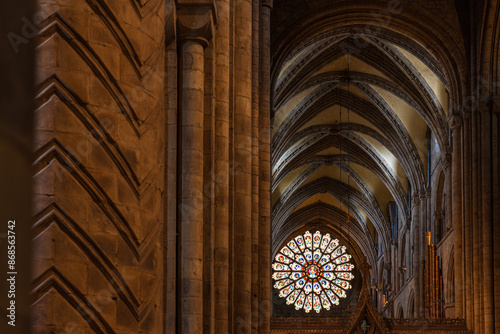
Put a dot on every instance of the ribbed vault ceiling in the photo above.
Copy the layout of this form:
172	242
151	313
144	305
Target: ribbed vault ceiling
396	94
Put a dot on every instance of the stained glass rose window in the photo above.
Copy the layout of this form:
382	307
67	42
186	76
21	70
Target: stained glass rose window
313	272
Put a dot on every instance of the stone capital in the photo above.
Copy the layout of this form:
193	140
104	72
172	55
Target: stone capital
196	20
496	104
268	3
455	119
447	159
415	199
491	105
423	194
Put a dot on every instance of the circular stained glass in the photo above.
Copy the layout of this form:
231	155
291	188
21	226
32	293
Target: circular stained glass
313	272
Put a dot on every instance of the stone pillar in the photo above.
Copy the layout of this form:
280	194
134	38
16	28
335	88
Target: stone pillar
221	169
255	166
242	165
16	147
99	168
418	239
468	263
424	223
265	168
170	243
477	255
487	218
195	25
456	126
495	192
208	192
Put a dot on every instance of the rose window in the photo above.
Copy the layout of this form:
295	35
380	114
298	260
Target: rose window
313	272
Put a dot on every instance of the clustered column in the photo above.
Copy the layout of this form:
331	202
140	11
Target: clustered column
475	216
456	126
230	185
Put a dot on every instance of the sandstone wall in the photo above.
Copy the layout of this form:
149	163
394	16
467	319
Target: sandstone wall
98	183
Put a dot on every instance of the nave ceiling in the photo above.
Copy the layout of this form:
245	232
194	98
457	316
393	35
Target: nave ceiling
357	102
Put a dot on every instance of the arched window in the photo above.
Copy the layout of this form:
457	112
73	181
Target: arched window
400	312
450	281
402	268
439	214
312	272
411	306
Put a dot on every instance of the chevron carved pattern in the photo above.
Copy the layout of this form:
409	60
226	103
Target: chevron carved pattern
98	167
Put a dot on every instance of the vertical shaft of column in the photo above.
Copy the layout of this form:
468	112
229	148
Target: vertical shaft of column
476	224
171	187
221	169
423	244
417	254
428	209
208	192
469	295
265	168
242	165
456	173
495	140
255	166
487	220
423	215
191	187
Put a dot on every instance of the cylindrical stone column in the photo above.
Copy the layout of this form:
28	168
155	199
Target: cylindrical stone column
195	27
265	168
191	66
487	222
221	169
417	256
242	165
495	160
468	263
170	242
477	255
456	125
255	166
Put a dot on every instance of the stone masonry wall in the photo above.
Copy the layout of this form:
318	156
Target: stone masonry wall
98	183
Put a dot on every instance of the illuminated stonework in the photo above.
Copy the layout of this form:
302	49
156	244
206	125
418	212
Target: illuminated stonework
312	272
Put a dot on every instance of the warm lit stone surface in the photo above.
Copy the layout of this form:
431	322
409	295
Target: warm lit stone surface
177	145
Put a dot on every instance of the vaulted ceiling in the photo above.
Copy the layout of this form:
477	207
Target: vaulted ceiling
355	103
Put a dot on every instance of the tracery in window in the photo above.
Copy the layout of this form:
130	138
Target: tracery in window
312	272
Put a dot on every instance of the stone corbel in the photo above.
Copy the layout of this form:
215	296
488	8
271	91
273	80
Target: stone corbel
455	119
196	20
446	160
415	199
